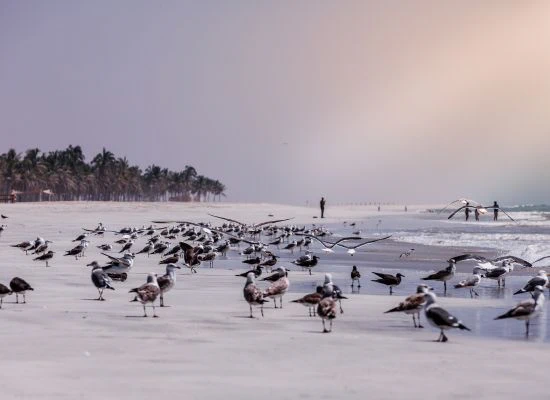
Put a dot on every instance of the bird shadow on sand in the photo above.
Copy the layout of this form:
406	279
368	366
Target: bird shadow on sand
91	300
140	316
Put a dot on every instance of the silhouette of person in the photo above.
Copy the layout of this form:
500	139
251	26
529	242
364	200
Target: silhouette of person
322	204
495	211
476	213
467	211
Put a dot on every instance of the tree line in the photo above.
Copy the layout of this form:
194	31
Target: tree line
64	175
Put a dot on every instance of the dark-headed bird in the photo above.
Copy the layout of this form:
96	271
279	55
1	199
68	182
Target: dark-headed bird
45	257
19	286
4	291
388	279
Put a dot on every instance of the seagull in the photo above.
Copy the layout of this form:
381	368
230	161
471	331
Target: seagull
127	246
101	280
334	289
311	300
406	253
444	275
291	246
81	237
498	273
253	295
118	268
470	282
269	264
540	280
306	261
167	281
19	286
440	318
105	247
327	309
23	246
45	257
413	304
3	216
147	249
4	291
257	271
355	276
252	261
351	249
42	248
210	257
190	256
388	280
527	309
148	293
328	247
279	287
170	260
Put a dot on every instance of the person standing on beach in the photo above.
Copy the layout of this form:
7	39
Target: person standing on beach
476	213
467	211
495	211
322	204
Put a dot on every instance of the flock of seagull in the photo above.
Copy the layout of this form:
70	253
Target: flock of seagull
188	244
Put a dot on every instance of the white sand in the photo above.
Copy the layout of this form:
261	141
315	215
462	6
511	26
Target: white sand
61	345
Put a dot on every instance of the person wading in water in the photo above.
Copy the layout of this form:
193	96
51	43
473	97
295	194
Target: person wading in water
322	204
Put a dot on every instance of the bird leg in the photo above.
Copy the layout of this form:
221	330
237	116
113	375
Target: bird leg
24	298
476	293
420	326
324	328
503	282
281	302
414	321
16	298
527	328
443	337
359	283
275	302
144	311
391	290
330	326
445	286
161	300
251	316
154	312
309	310
341	309
471	294
262	309
310	271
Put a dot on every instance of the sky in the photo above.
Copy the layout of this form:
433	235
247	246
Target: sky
287	101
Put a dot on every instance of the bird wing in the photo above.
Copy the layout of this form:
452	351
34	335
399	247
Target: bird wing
536	281
277	287
522	309
111	257
514	260
228	219
465	257
364	243
441	317
540	259
148	292
271	222
384	276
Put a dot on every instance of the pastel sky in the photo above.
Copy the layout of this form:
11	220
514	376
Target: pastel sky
288	101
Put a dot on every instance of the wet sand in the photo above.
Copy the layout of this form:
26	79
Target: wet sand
65	345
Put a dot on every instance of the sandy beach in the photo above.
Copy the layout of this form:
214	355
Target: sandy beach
63	344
